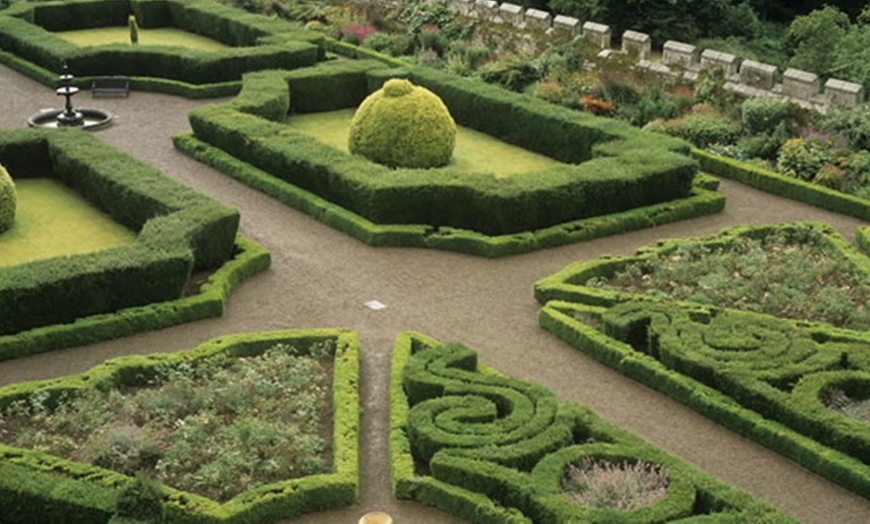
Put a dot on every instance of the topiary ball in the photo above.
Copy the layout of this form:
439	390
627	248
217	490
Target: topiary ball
8	201
403	125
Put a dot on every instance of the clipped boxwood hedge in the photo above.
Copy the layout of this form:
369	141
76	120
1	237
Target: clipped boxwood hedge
785	186
257	43
764	377
180	231
613	168
495	448
36	487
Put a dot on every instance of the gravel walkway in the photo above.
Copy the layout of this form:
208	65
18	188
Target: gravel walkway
321	278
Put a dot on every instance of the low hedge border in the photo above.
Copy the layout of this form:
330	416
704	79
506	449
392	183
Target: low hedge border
620	168
36	487
260	42
782	185
700	202
567	284
180	231
244	138
737	411
209	302
473	479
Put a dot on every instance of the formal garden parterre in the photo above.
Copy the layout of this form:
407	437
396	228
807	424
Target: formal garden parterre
39	487
767	373
463	438
64	301
492	448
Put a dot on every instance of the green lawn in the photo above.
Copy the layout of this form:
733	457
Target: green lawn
169	36
475	151
53	220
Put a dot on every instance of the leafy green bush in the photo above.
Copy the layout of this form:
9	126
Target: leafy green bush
802	158
403	125
763	115
394	44
8	200
853	123
141	500
705	126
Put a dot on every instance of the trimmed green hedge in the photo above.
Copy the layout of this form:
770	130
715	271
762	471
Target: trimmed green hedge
785	186
761	376
36	487
180	231
622	169
700	202
496	448
258	43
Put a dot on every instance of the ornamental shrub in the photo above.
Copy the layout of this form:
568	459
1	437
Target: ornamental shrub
762	115
8	200
403	125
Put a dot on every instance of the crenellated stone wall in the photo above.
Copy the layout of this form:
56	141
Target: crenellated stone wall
679	59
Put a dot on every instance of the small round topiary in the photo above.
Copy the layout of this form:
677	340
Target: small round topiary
403	125
8	201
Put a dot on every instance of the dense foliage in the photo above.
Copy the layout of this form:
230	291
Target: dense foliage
403	125
8	200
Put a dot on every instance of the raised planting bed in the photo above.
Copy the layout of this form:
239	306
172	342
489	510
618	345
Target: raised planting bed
491	448
255	427
62	301
31	42
608	178
795	386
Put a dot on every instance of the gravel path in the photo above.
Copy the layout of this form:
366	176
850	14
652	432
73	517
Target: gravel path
321	278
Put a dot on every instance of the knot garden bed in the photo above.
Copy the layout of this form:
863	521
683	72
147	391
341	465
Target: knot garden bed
67	301
256	42
495	449
614	178
768	378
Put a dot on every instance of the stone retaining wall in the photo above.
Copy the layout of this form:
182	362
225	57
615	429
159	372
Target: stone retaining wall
746	77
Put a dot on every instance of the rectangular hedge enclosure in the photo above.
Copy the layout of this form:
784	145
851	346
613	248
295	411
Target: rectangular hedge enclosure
179	230
256	43
609	168
38	487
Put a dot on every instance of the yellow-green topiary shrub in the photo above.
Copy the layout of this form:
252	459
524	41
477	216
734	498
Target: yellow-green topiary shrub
8	201
403	125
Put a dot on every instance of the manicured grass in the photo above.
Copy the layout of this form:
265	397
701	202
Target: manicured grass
475	151
165	36
53	220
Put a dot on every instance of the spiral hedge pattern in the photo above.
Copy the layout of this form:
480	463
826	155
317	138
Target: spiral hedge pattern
768	378
491	448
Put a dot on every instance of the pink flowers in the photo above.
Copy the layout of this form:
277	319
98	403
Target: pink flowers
356	33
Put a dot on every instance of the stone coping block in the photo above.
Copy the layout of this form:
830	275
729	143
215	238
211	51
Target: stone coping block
600	34
640	43
655	67
717	59
757	74
511	14
567	24
486	9
680	53
802	85
842	94
461	7
537	19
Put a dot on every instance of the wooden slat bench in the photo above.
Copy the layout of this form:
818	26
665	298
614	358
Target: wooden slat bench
110	86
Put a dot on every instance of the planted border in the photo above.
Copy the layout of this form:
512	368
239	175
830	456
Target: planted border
36	487
788	187
492	449
626	179
180	231
257	42
763	377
